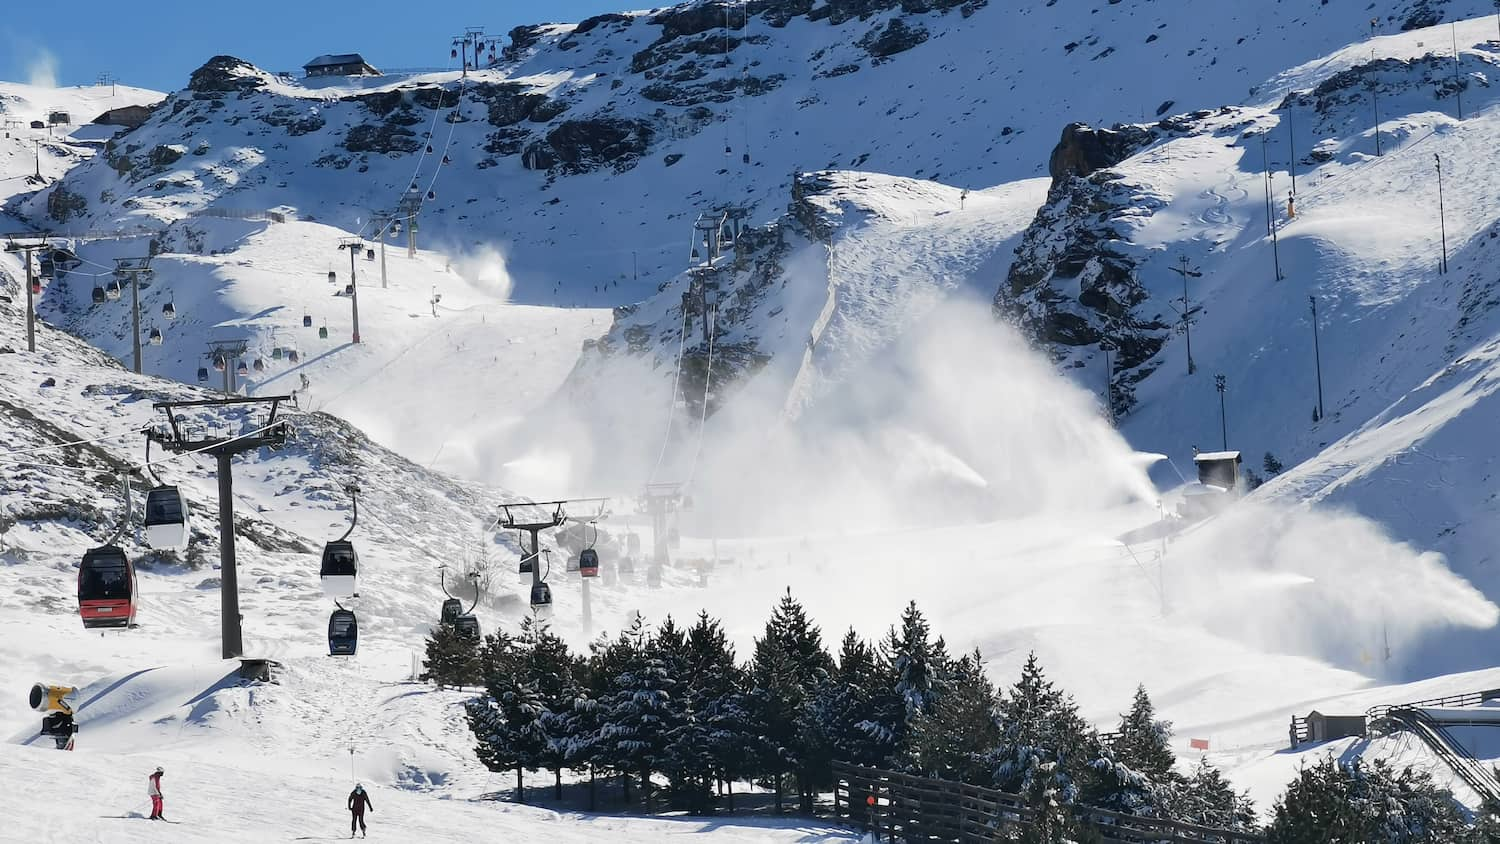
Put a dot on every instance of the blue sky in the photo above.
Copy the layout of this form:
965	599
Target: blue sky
158	43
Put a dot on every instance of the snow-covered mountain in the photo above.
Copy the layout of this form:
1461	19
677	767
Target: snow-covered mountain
849	416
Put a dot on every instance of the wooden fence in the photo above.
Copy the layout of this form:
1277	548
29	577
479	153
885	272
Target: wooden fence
910	808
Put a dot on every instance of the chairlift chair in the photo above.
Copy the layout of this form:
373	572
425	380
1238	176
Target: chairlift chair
106	588
166	518
588	563
541	597
343	633
169	312
452	609
154	337
99	296
340	568
467	625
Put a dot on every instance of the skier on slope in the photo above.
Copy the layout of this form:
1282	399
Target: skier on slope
358	802
153	790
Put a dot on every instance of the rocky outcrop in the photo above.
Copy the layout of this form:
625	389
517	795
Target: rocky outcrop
1084	150
382	138
63	204
583	145
226	75
897	36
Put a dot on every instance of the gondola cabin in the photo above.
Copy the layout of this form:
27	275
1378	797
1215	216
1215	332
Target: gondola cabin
343	633
166	518
528	564
574	563
452	609
467	625
588	563
340	567
106	588
633	543
653	577
541	596
627	565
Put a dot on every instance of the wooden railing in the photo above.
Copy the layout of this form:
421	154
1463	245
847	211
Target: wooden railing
901	807
1375	713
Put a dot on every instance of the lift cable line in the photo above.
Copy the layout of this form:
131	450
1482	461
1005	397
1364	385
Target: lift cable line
175	439
712	317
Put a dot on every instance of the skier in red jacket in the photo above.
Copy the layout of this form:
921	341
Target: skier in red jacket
153	790
358	802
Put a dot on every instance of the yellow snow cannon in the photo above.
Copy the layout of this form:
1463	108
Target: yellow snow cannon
45	698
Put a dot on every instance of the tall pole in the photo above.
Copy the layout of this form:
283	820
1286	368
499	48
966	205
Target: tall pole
1312	301
1291	150
353	294
1265	165
1375	106
1223	424
30	306
382	264
1442	217
1109	380
228	373
229	591
1458	88
588	609
135	318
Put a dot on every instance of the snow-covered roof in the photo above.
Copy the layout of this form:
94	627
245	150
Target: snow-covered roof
1207	456
335	59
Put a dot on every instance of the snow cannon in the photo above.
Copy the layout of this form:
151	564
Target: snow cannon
45	698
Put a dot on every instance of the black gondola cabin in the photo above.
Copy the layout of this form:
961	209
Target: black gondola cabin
343	633
340	567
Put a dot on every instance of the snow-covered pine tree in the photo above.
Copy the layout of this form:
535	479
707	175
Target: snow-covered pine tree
717	697
550	668
452	658
641	713
1133	773
841	722
1144	742
1365	801
1044	744
1206	798
507	719
789	665
953	739
609	660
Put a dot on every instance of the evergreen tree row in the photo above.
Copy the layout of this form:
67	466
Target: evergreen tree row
675	711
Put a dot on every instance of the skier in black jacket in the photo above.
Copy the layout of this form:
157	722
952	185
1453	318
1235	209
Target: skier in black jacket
358	802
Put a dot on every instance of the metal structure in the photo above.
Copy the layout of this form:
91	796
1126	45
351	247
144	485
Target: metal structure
355	246
509	520
380	224
178	438
407	209
134	269
473	40
1222	387
1186	313
31	281
1312	302
228	351
1442	216
659	501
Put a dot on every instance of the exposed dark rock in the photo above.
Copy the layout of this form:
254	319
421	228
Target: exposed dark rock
584	145
588	24
63	204
382	138
1084	150
897	36
225	75
162	155
382	102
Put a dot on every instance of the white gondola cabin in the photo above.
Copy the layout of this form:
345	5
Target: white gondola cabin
166	518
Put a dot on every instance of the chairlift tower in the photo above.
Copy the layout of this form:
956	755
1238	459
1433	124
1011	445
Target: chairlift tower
659	501
511	521
133	269
407	209
31	284
178	438
380	224
588	608
355	246
230	352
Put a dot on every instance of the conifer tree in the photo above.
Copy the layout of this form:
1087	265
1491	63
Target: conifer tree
452	658
789	665
952	740
1365	801
550	668
641	713
1207	799
1043	749
843	719
507	719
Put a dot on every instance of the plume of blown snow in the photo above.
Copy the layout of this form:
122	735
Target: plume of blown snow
41	68
484	268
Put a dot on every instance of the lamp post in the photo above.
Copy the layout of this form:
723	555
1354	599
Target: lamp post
1312	302
1223	424
1442	217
